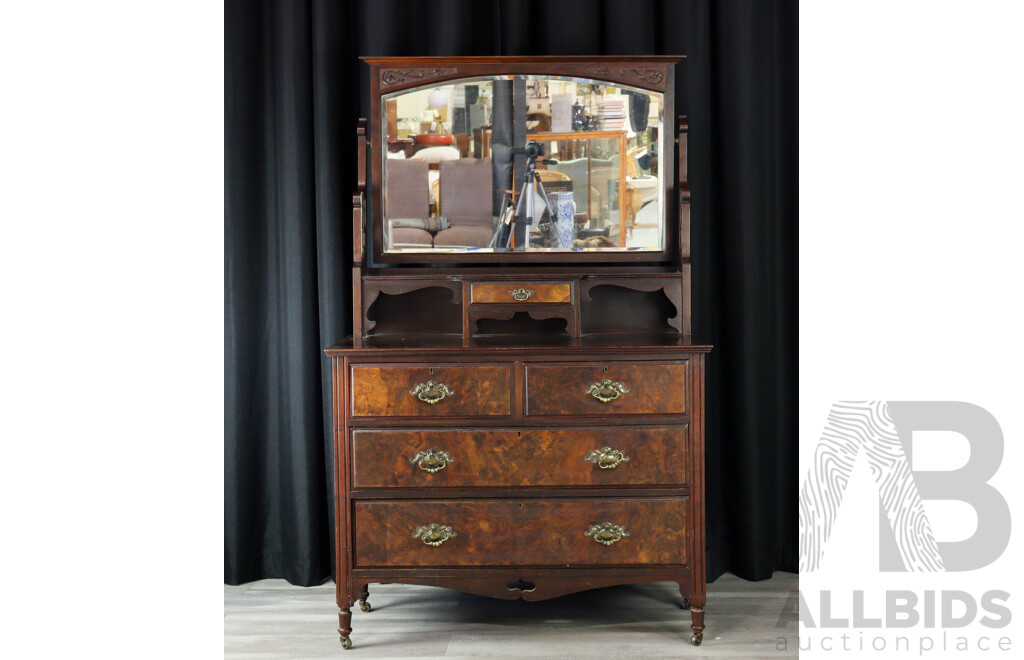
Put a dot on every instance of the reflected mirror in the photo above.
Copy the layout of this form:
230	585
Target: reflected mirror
507	163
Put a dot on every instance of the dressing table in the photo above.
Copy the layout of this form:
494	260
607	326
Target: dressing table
519	414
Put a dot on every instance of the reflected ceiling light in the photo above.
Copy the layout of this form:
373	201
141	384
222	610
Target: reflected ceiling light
438	99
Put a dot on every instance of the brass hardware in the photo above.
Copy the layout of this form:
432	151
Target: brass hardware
434	534
521	294
606	533
432	460
606	458
607	390
431	391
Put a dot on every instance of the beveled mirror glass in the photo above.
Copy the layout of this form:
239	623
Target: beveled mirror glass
506	163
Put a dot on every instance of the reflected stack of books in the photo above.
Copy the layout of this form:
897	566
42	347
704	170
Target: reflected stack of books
611	114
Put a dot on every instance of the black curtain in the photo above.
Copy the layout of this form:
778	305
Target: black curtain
294	89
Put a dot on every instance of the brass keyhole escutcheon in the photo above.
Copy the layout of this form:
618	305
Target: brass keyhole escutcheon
434	534
607	390
521	294
606	533
431	460
431	392
606	458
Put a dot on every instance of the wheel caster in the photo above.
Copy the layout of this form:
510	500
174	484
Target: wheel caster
695	639
346	642
364	606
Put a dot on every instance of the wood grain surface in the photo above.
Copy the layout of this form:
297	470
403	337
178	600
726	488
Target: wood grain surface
520	457
502	292
562	389
477	390
523	532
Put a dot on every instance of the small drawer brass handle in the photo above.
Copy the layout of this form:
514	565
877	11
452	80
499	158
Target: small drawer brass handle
607	390
432	460
434	534
431	391
606	533
606	458
521	294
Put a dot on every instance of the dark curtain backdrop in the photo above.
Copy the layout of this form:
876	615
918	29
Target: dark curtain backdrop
294	89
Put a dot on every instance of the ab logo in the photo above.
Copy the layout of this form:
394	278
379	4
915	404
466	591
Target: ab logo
882	430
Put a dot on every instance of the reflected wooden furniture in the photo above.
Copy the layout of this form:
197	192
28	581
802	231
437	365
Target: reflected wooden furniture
623	148
520	425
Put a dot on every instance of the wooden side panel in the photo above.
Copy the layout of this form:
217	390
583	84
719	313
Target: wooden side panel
476	390
514	458
526	532
562	389
529	293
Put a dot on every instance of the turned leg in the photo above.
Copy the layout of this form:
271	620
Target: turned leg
345	627
697	614
363	605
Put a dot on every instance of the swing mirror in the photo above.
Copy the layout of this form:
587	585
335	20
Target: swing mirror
502	164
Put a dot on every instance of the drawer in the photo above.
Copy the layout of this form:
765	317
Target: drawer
616	388
517	292
469	390
521	532
605	456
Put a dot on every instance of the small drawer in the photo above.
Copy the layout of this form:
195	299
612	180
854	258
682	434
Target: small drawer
463	390
519	292
509	458
616	388
527	532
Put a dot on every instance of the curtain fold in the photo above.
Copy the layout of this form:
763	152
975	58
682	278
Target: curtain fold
294	89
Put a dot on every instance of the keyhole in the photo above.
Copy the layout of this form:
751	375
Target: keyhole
431	371
519	434
604	370
520	505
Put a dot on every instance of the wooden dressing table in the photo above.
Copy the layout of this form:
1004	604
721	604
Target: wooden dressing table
516	423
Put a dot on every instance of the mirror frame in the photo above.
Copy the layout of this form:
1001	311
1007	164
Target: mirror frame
652	73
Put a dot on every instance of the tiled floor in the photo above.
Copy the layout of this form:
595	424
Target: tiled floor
273	619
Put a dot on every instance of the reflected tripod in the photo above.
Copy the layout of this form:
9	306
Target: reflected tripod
525	209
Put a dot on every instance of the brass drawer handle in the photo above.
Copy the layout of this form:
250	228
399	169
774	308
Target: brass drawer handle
434	534
607	390
606	458
432	460
606	533
431	391
521	294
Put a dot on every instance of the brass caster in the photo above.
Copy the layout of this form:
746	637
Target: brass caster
346	642
695	639
686	603
364	606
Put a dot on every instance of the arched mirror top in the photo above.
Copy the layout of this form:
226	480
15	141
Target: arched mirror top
522	160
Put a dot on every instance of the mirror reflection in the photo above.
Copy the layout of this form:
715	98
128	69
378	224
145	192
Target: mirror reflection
523	163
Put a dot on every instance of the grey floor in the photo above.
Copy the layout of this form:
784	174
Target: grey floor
273	619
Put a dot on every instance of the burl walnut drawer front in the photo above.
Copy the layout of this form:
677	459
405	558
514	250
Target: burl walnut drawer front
518	292
426	391
513	458
610	389
525	532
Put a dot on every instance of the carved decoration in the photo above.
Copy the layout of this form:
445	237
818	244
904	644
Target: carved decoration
392	77
671	286
535	312
652	77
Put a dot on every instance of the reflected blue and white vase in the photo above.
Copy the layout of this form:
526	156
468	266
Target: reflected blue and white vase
563	229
